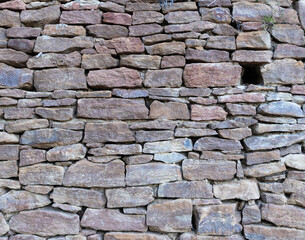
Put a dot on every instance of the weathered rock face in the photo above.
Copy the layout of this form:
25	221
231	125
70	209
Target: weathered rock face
66	153
38	18
140	236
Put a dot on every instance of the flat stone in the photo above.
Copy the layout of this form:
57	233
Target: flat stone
262	157
217	170
144	17
49	60
107	31
66	153
9	169
118	77
139	236
4	227
152	173
40	17
211	74
80	17
170	215
42	173
38	222
166	48
180	6
141	61
138	159
237	189
241	109
210	56
169	110
244	97
221	42
47	138
63	30
32	156
117	149
176	145
156	38
62	45
154	125
8	138
182	17
281	108
111	7
173	61
163	78
185	189
14	58
286	71
217	14
86	174
262	170
152	136
194	236
127	45
98	61
252	56
79	197
251	214
3	38
145	30
117	18
23	45
129	197
218	219
235	134
142	6
289	51
113	220
214	143
261	128
253	40
9	19
16	201
199	113
296	161
250	12
287	33
57	114
112	109
9	152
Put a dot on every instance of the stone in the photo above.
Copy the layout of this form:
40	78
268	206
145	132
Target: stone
9	152
163	78
42	173
9	169
173	61
23	45
148	40
182	17
218	219
262	157
211	74
49	60
117	18
244	189
8	138
251	214
224	29
38	222
286	71
235	134
63	30
202	113
32	156
20	126
113	220
272	198
253	40
180	6
9	19
169	157
14	58
142	6
144	17
47	138
54	79
66	153
86	174
261	128
294	216
281	108
18	113
129	197
138	159
145	30
263	170
296	161
176	145
152	173
117	149
46	44
152	136
98	61
221	42
185	189
130	235
217	14
217	170
291	34
194	236
23	32
79	197
141	61
211	56
253	232
244	97
251	56
80	17
170	215
16	201
111	7
166	48
154	125
241	109
289	51
250	12
107	31
3	38
40	17
4	227
127	45
57	114
214	143
112	108
169	110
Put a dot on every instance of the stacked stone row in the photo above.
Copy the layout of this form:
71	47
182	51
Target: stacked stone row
122	120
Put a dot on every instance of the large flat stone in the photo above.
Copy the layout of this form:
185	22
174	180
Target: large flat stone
296	161
169	110
214	143
9	169
176	145
163	78
141	61
117	149
63	30
166	48
250	12
138	236
253	40
9	152
9	18
287	33
40	17
262	170
22	125
80	17
66	153
281	108
204	113
107	31
13	58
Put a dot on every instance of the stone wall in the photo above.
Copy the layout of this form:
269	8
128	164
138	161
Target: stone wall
124	121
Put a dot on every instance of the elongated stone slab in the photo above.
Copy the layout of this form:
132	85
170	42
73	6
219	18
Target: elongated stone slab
138	236
214	143
176	145
281	108
66	153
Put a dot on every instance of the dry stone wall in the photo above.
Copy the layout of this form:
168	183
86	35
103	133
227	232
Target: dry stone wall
122	120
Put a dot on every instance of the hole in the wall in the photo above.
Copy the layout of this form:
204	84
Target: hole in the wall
251	75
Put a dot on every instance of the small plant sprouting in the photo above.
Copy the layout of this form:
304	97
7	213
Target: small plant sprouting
268	22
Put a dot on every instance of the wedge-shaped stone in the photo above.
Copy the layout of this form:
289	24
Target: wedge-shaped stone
296	161
113	220
138	236
238	189
217	170
79	197
141	61
40	17
262	157
41	174
107	132
286	71
287	33
253	40
221	220
273	141
31	156
254	232
47	138
235	134
250	12
49	60
60	44
9	19
263	170
185	189
212	74
59	79
176	145
99	61
129	197
9	169
57	114
111	109
152	173
284	215
13	57
117	149
45	222
8	138
170	215
281	108
63	30
113	78
163	78
4	227
66	153
15	78
16	201
128	45
169	110
80	17
107	31
214	143
9	152
252	56
166	48
87	174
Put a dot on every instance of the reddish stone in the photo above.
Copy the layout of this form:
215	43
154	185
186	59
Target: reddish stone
172	61
245	97
128	45
24	45
298	89
23	32
9	19
117	18
13	5
169	110
80	17
199	113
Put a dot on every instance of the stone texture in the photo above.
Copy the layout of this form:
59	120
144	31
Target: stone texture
4	227
253	40
281	108
176	145
63	30
250	12
214	143
9	152
164	49
130	235
80	17
168	110
212	56
40	17
32	156
9	19
66	153
262	157
263	170
15	78
9	169
141	61
107	31
291	34
199	113
182	17
98	61
296	161
163	78
117	18
13	57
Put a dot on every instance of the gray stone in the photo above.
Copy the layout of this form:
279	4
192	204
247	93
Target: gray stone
287	33
262	157
20	126
9	152
152	136
213	143
9	19
173	157
163	78
130	235
4	227
296	161
281	108
66	153
251	214
176	145
32	156
9	169
40	17
263	170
